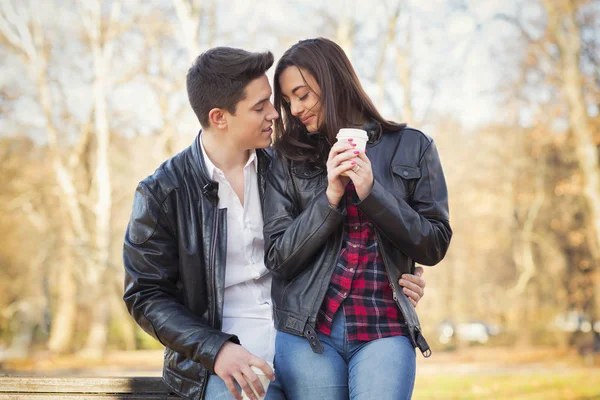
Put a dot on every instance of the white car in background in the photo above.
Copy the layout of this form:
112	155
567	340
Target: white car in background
575	321
471	332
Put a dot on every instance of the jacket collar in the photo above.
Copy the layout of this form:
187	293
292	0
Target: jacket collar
374	131
209	187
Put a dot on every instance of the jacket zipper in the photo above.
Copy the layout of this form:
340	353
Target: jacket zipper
417	337
316	310
394	295
212	270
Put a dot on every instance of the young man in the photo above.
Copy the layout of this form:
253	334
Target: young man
195	277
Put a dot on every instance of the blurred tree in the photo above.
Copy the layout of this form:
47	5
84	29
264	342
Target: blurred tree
559	199
24	33
565	32
24	299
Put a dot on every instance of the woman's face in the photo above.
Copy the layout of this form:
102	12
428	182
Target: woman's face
300	90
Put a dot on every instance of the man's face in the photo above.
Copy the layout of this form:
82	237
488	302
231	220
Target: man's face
251	126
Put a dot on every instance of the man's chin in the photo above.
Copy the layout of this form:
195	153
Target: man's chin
264	144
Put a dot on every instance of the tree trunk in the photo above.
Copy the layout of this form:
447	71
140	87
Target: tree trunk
389	39
523	254
102	49
404	74
345	30
119	313
65	311
189	20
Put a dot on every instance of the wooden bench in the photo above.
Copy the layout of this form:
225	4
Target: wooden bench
80	388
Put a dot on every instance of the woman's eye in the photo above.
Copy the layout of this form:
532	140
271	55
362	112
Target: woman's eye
303	97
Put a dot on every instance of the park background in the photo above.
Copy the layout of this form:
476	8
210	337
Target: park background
92	99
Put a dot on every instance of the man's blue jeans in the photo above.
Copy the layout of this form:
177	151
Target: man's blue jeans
217	390
377	370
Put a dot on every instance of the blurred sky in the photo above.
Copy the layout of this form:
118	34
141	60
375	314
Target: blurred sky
455	57
455	45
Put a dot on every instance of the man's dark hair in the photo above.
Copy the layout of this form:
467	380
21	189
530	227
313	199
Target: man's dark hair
219	76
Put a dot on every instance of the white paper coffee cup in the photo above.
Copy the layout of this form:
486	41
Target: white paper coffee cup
358	136
264	380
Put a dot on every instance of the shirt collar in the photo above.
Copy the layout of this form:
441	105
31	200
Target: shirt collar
210	167
252	159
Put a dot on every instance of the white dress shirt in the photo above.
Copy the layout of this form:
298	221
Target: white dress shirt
247	310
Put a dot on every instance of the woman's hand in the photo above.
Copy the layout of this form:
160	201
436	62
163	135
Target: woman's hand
340	160
362	175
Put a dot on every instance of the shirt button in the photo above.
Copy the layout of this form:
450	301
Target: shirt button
356	228
351	269
344	294
405	173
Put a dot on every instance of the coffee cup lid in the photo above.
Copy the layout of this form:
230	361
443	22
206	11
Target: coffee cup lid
352	132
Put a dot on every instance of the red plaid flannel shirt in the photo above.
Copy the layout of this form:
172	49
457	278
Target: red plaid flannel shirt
360	284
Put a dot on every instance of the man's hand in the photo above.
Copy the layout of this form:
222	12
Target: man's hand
413	285
233	364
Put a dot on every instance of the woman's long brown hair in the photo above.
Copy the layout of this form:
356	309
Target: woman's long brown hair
342	97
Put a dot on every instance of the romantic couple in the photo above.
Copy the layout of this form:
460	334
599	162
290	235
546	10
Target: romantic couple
297	260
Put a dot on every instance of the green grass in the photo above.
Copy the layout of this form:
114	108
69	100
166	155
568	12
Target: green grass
577	384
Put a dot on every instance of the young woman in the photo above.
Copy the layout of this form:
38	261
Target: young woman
336	244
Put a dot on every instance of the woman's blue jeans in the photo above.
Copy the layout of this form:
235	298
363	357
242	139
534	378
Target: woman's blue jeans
380	369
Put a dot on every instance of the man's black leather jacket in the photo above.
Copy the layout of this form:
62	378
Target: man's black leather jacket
174	256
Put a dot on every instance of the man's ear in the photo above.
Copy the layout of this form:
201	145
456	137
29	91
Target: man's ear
216	117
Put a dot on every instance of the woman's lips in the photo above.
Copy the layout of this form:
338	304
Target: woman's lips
307	119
